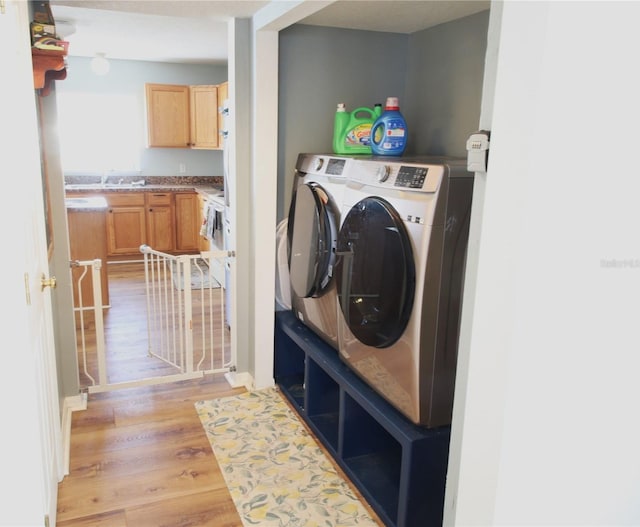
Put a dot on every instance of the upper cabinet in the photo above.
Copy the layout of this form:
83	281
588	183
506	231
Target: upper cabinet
168	115
204	116
182	116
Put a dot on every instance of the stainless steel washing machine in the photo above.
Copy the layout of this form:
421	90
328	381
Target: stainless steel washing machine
314	218
399	275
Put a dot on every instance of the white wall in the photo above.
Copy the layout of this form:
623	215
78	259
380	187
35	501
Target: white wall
549	431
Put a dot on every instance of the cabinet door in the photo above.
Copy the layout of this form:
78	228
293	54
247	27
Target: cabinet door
204	117
188	222
168	115
126	228
160	221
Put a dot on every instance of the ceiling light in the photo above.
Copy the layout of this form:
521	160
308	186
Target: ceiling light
99	64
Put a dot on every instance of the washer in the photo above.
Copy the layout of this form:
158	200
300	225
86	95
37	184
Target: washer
314	218
401	257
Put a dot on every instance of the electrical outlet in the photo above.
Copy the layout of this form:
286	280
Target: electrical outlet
183	168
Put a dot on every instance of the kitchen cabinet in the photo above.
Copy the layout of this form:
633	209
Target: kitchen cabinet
183	116
168	121
204	117
126	223
188	221
87	241
160	221
166	221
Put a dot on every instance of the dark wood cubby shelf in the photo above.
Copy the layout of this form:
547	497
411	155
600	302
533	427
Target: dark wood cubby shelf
400	468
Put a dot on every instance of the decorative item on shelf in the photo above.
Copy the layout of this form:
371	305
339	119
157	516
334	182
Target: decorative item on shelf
99	64
42	12
51	44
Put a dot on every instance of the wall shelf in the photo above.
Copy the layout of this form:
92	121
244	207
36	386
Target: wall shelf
48	65
400	468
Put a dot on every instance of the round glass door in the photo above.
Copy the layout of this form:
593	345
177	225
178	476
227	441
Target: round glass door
312	238
375	272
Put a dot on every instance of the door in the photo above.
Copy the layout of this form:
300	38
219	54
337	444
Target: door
375	272
312	235
31	452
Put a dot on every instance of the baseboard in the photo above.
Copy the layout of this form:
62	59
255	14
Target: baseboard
70	404
239	379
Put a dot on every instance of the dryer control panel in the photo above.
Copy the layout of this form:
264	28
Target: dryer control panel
402	176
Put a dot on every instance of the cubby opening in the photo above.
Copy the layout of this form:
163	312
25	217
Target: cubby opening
289	368
323	403
372	454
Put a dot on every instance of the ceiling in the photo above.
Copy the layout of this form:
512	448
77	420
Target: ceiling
195	31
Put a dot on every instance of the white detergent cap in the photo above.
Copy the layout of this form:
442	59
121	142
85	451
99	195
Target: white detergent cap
392	102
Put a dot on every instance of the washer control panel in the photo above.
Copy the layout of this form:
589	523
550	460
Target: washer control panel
411	177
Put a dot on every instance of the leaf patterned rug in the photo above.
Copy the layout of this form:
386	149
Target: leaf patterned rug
275	470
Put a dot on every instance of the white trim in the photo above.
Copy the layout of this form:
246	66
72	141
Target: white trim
70	404
239	379
146	382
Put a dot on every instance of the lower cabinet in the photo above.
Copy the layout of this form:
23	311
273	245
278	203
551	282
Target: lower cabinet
160	221
166	221
188	222
400	468
126	223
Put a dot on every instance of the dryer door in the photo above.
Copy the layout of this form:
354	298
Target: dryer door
312	238
375	272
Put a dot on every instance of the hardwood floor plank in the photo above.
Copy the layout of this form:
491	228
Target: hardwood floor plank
205	509
109	519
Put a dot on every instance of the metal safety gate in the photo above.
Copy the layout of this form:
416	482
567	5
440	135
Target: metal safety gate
186	315
188	303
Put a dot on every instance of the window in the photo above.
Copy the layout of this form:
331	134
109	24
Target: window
99	133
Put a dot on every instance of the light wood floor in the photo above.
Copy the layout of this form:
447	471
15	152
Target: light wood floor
139	457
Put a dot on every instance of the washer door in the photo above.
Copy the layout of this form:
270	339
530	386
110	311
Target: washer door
375	272
312	238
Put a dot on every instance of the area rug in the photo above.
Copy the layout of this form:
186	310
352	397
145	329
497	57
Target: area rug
200	276
275	470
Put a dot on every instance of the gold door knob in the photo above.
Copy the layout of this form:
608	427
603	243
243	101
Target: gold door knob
47	282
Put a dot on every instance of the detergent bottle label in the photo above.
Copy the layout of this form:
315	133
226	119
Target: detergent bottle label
359	135
395	133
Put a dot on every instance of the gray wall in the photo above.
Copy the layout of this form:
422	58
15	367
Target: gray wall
320	67
444	85
436	73
129	77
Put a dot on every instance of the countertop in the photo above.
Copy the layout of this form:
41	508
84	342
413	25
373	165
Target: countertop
88	204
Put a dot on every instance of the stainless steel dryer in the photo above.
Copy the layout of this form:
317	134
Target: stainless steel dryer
314	218
399	273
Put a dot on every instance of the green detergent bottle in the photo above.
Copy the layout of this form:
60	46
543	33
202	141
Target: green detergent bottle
352	130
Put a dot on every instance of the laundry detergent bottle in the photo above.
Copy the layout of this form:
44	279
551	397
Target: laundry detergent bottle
389	132
352	130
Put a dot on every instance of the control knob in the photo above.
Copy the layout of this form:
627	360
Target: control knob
383	173
319	163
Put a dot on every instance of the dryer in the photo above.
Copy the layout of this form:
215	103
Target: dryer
314	219
399	275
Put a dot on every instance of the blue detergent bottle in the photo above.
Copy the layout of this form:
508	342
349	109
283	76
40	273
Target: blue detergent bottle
389	132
